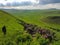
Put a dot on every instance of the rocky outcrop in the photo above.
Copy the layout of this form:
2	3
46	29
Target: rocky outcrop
33	29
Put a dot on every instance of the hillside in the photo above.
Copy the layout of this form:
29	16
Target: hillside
8	20
33	19
11	25
39	17
52	19
15	34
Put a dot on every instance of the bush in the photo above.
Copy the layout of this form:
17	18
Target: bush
23	38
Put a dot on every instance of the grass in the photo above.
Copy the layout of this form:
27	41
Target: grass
15	33
11	24
36	16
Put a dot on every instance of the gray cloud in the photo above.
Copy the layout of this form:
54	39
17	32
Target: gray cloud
24	3
43	4
48	1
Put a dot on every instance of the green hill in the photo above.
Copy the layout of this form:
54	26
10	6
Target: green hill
53	19
9	21
12	27
47	19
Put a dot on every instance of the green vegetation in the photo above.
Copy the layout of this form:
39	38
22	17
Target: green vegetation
15	33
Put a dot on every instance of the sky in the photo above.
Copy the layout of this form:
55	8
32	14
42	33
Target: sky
30	4
11	1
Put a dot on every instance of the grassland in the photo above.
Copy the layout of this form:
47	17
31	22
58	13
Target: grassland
37	16
12	27
15	32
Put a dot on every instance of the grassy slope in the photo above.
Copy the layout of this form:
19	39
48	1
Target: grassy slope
11	24
38	17
15	33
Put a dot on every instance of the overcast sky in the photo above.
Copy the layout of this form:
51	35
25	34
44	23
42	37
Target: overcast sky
31	4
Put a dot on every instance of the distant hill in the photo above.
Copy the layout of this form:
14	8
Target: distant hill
52	9
50	13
